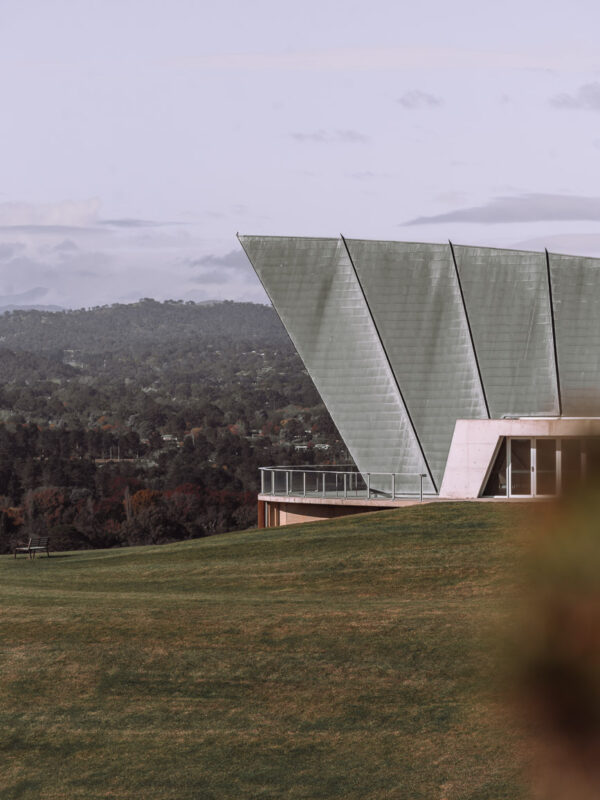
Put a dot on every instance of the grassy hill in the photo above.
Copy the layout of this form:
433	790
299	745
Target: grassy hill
345	659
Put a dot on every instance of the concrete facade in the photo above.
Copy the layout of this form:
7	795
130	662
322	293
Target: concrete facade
476	442
274	510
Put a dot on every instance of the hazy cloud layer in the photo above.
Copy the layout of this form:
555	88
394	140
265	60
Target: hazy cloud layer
135	223
44	230
98	263
66	246
276	125
10	249
392	58
128	223
586	97
214	277
222	270
235	259
332	137
521	208
416	99
65	214
72	257
30	296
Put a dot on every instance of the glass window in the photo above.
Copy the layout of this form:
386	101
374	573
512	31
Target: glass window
520	466
496	483
592	447
545	462
570	464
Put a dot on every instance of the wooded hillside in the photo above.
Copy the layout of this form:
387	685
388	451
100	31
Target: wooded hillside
148	422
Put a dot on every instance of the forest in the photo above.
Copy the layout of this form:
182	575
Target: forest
148	422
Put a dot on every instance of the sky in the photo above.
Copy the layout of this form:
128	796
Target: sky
139	136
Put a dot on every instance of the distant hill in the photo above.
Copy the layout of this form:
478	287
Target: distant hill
187	395
4	309
23	366
138	325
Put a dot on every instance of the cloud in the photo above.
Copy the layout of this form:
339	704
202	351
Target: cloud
587	97
345	136
232	268
10	249
47	230
30	296
65	214
79	257
364	175
131	222
451	197
212	276
577	244
66	246
365	59
235	259
66	217
66	282
416	99
369	175
521	208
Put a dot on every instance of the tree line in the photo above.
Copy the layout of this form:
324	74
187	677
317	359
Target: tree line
148	422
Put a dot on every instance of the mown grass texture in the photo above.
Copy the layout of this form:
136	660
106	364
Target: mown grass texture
343	659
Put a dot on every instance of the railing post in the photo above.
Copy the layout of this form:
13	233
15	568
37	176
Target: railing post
421	477
393	485
262	481
287	482
323	484
272	481
368	485
304	484
345	486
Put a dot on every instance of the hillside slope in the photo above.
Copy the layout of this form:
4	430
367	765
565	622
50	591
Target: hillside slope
135	326
339	660
153	397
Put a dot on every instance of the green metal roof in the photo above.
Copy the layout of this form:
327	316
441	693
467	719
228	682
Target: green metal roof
403	339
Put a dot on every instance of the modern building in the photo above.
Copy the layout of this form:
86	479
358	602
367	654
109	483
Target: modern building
450	371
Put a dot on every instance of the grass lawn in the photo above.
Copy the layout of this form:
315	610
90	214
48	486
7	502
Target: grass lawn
344	659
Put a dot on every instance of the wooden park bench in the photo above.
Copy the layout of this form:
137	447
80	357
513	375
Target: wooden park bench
37	544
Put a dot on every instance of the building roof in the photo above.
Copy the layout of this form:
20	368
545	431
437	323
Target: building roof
402	339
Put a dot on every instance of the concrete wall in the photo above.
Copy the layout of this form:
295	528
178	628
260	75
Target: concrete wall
475	442
281	513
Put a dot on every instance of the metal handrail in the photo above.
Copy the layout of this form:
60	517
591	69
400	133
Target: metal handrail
321	468
335	482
